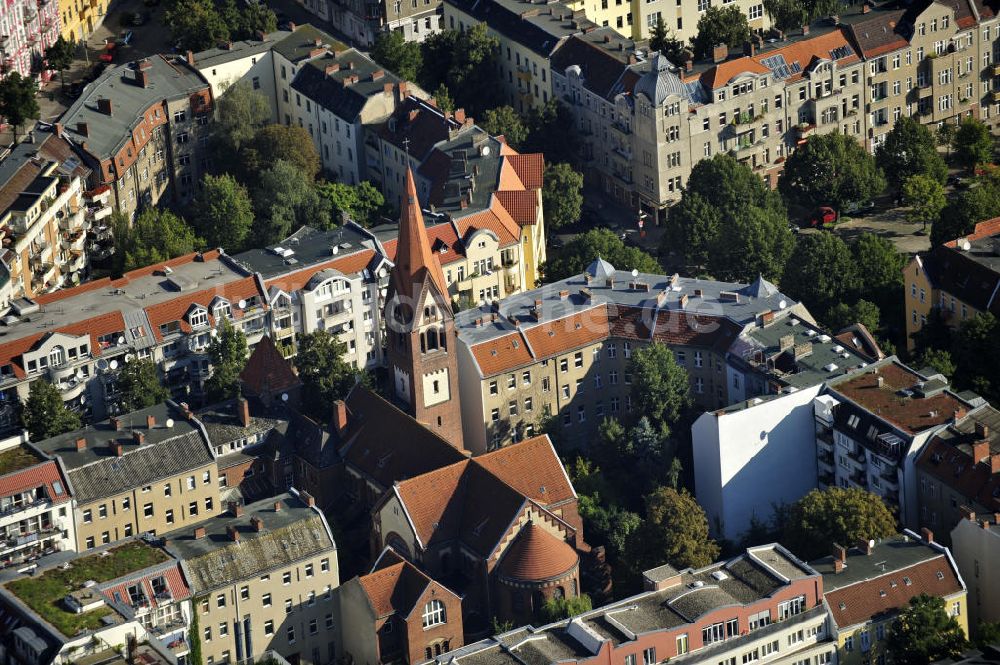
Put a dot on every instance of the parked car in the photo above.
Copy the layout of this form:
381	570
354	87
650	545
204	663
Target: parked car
957	182
125	38
858	208
108	55
824	215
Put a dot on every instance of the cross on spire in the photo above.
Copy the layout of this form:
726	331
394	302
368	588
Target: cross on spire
406	146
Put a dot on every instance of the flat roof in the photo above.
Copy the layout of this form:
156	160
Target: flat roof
888	556
298	44
304	248
239	49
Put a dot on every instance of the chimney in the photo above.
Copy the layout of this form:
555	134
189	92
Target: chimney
236	508
260	35
317	52
317	42
378	75
802	350
243	410
967	513
307	499
291	26
116	447
749	49
142	79
190	58
116	423
233	533
866	547
104	106
138	438
839	553
340	416
689	65
277	506
838	566
767	318
960	412
387	88
786	342
564	294
720	53
81	444
995	463
257	523
880	382
199	532
865	8
460	115
980	452
927	535
982	430
332	69
58	128
150	422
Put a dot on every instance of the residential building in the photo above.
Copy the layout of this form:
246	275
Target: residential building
872	425
146	472
78	21
44	219
958	279
764	604
29	27
563	349
635	20
78	338
268	378
396	613
128	598
36	510
959	470
506	554
142	129
975	545
866	586
262	578
529	34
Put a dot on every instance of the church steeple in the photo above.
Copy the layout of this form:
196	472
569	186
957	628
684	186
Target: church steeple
421	327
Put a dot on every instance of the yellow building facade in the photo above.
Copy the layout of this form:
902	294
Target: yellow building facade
79	18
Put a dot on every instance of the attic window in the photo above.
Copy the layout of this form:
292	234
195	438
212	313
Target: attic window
198	318
578	325
843	606
940	575
882	593
853	421
907	581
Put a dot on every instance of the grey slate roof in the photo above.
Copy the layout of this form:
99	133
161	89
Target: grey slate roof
661	81
540	27
330	92
297	45
309	246
238	50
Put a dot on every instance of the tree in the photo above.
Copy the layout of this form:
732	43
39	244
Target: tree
361	203
660	40
287	143
879	267
785	14
973	143
436	53
675	531
256	17
555	609
720	25
820	272
844	516
44	415
465	62
910	149
830	169
228	351
583	249
155	236
285	200
325	375
937	359
864	312
59	56
987	634
925	197
443	100
392	51
139	383
551	131
195	25
945	136
562	196
504	121
729	223
977	364
924	633
961	215
607	524
243	111
18	100
659	384
222	213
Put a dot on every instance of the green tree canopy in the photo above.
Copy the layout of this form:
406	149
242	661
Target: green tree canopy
504	121
243	111
583	249
659	385
674	531
937	359
44	415
155	236
661	40
443	99
196	25
924	633
551	132
228	351
729	223
836	515
973	143
361	203
863	311
562	196
465	62
555	609
392	51
18	100
222	213
326	375
910	149
285	200
59	56
830	169
974	349
720	25
140	386
879	266
820	272
925	197
785	14
287	143
973	205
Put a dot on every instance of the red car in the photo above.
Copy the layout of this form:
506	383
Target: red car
824	215
109	52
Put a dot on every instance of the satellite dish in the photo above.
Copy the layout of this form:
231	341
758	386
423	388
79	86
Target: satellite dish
349	305
336	250
113	364
241	304
102	364
79	374
129	357
121	340
871	544
215	332
381	272
635	272
83	399
170	423
782	304
284	397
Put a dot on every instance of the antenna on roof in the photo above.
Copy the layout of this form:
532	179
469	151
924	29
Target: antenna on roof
406	148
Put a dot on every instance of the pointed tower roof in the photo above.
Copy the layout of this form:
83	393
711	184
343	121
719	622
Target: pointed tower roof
413	251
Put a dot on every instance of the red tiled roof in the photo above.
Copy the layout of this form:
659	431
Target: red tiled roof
176	309
428	497
532	468
10	352
502	353
350	264
494	219
724	72
522	205
538	555
984	229
179	589
530	169
395	588
43	474
807	51
267	370
440	236
877	596
956	469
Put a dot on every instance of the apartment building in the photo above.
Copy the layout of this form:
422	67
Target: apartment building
872	425
78	20
149	471
36	510
764	604
959	470
636	20
866	586
975	545
529	33
44	218
248	60
142	129
960	279
396	612
130	598
262	578
564	348
29	27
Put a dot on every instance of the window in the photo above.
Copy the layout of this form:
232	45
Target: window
291	634
759	620
324	565
147	510
269	627
649	656
578	359
88	516
220	600
630	659
245	593
682	644
288	606
266	600
713	633
169	515
223	629
286	578
434	614
493	388
791	607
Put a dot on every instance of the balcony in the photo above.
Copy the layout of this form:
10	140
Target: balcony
824	439
827	478
826	459
98	212
860	478
859	455
996	96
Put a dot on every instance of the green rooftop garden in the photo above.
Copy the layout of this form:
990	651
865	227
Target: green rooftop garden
44	593
17	458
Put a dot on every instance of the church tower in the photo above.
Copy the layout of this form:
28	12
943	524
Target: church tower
421	328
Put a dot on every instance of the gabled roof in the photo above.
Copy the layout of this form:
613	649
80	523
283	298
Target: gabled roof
949	457
605	73
415	261
339	92
880	33
267	371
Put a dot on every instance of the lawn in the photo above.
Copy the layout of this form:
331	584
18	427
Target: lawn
44	593
17	458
